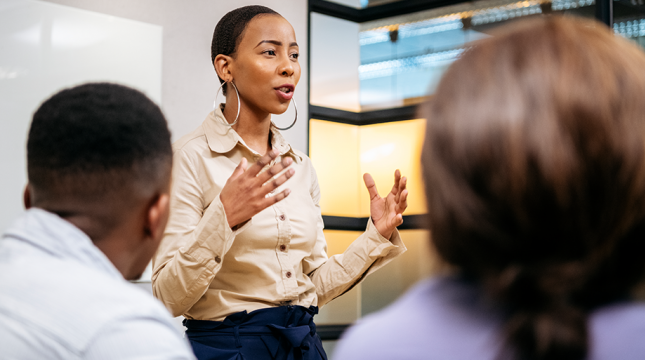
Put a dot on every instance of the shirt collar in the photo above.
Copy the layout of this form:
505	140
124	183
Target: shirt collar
60	239
222	139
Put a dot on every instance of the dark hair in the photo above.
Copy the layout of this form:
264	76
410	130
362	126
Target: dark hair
228	31
95	139
534	164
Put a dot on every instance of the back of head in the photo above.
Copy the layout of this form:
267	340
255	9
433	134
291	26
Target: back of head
534	163
97	149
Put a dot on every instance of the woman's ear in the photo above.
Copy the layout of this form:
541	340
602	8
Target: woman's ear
223	67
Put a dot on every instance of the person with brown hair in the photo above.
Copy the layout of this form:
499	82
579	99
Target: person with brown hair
534	164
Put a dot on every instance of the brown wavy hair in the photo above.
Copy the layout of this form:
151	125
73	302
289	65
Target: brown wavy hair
534	164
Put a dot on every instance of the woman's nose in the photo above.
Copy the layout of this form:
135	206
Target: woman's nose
286	68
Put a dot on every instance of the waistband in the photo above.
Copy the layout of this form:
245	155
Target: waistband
292	323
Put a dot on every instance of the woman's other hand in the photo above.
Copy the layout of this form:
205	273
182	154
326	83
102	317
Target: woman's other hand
245	192
387	213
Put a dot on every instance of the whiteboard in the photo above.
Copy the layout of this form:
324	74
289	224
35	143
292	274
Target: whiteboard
46	47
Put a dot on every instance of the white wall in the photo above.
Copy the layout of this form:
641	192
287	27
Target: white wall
47	47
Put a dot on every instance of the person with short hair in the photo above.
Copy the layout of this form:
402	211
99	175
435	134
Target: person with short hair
99	160
244	257
534	167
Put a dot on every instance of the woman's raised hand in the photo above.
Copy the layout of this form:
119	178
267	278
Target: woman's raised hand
387	213
245	192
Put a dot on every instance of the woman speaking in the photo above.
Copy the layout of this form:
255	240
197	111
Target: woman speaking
244	255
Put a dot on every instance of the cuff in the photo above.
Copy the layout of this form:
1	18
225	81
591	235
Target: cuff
213	235
383	247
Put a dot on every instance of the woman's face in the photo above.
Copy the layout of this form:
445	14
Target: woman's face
265	65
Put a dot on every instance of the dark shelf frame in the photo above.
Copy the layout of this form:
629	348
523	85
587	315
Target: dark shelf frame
410	222
365	117
331	332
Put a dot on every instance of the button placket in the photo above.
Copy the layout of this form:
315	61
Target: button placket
282	251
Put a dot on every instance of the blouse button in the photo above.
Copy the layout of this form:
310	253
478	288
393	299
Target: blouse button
282	217
283	248
218	259
288	274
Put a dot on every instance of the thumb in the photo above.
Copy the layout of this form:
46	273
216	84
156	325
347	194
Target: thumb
371	186
239	169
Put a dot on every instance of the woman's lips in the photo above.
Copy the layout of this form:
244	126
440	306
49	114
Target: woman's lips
285	91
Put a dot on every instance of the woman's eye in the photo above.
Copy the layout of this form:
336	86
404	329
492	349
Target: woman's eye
295	56
270	52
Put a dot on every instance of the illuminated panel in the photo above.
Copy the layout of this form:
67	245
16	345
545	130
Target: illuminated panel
342	153
387	147
333	149
347	308
384	286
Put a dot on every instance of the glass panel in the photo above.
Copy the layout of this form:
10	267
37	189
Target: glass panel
347	308
387	147
333	149
404	57
385	285
401	59
629	20
353	150
334	63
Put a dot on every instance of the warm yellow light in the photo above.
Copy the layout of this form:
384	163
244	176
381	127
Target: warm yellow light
342	153
387	147
333	149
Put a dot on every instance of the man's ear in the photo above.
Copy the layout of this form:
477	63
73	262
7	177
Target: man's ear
157	217
222	64
26	197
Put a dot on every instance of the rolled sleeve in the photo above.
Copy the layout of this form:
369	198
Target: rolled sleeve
194	244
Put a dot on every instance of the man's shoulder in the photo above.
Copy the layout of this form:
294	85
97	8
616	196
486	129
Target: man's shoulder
71	303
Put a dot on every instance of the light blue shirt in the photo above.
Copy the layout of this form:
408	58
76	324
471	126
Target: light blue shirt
61	298
445	318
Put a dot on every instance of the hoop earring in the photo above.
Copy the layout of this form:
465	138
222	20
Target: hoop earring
238	103
294	120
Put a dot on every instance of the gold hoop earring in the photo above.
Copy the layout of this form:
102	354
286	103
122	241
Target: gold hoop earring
238	102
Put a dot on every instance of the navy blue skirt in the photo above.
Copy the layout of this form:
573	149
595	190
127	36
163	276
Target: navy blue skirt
281	333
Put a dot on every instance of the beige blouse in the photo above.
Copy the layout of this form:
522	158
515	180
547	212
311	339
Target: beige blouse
204	270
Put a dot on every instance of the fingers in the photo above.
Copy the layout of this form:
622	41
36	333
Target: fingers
274	183
402	186
276	198
255	169
274	170
397	179
371	186
402	204
398	220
